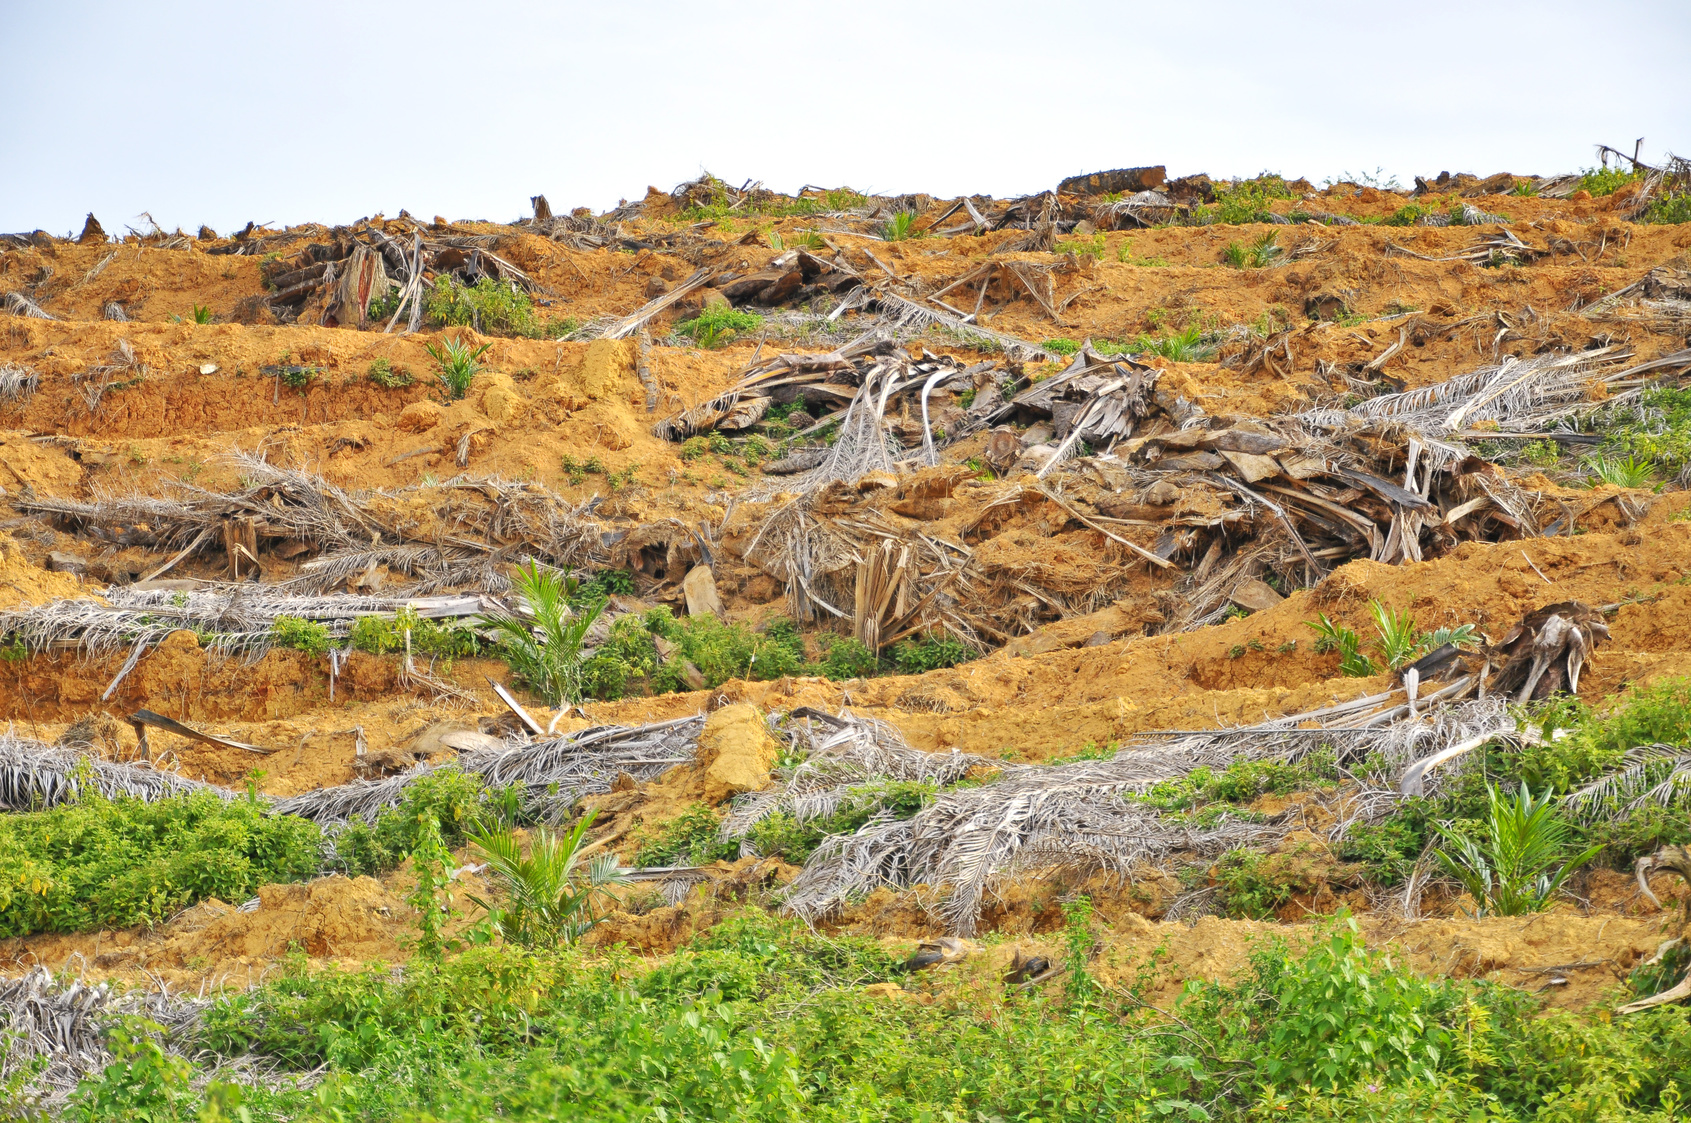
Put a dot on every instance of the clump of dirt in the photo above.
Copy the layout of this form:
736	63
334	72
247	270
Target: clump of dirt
334	921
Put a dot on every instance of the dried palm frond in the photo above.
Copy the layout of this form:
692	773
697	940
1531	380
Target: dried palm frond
34	775
842	754
1514	395
901	315
554	772
17	381
112	310
1648	775
1081	817
63	1024
20	305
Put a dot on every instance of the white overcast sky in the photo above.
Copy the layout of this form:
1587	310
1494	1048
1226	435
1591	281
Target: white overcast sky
221	112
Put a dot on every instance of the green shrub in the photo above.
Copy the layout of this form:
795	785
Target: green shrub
689	839
389	377
1604	181
489	306
114	863
1670	209
1244	202
1060	346
456	801
846	657
929	653
782	835
1407	215
628	654
718	324
760	1020
385	635
723	651
301	635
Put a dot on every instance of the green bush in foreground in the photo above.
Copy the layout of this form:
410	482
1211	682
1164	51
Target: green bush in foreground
760	1019
114	863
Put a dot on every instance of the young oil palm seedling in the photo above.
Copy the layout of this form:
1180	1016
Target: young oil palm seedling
1182	347
900	227
1634	471
543	646
457	363
1517	859
1264	250
551	894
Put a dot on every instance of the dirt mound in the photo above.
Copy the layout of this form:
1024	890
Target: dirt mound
334	920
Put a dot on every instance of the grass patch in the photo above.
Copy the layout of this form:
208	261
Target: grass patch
719	324
102	863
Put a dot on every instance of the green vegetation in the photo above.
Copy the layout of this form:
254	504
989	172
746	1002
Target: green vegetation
1519	861
1397	641
1655	430
1060	346
1260	254
489	306
447	802
783	836
301	635
1243	202
457	364
386	635
718	324
1634	471
1604	181
548	894
759	1019
703	652
543	648
1407	215
689	839
720	206
298	378
202	314
101	863
1093	247
1186	346
929	653
901	227
389	377
1126	256
1670	209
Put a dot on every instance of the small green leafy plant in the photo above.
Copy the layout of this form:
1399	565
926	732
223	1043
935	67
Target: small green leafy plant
1186	346
300	634
1634	471
900	227
1517	859
543	649
549	894
717	324
457	364
389	377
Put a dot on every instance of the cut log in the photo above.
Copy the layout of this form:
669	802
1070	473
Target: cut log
699	588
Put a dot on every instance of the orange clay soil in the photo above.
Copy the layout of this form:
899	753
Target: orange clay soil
1573	956
179	397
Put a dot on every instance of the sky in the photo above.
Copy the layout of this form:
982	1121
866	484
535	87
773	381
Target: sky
221	113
